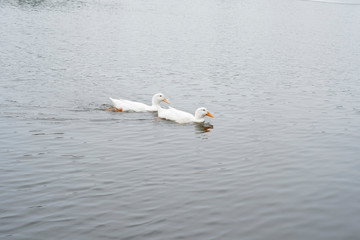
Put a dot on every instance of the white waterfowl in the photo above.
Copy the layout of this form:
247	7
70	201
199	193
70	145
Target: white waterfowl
121	105
183	117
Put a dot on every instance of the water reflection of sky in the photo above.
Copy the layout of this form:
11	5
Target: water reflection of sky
279	162
348	2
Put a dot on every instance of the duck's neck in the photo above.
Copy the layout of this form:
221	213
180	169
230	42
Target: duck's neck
155	103
199	119
157	107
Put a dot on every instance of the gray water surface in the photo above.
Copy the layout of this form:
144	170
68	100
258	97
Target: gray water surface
281	160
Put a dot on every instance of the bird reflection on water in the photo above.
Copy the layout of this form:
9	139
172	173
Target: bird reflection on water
203	127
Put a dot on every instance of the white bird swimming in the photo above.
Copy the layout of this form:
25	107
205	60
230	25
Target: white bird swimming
183	117
121	105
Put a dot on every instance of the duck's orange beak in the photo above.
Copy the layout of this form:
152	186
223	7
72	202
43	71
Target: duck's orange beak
167	101
209	114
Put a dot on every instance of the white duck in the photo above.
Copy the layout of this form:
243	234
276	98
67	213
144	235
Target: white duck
121	105
184	117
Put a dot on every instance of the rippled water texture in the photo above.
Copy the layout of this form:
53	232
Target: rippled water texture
281	160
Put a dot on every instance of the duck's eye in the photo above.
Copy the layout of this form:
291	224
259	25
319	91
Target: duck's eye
160	96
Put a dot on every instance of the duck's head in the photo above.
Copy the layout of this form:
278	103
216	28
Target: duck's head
200	113
158	98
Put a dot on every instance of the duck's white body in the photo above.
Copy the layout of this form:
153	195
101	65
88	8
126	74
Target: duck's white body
127	105
131	106
183	117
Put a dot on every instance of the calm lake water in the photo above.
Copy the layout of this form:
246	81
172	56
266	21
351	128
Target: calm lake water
281	160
